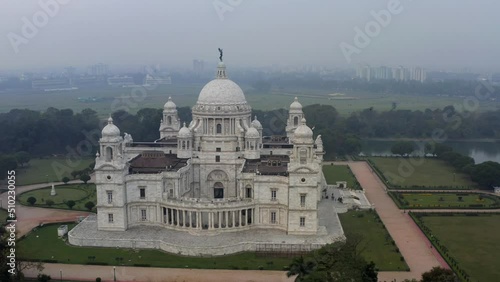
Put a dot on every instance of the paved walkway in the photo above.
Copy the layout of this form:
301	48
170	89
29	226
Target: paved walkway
91	272
414	247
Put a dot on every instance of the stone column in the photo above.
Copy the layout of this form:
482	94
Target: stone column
183	218
232	216
226	215
220	219
239	217
209	220
199	220
191	219
178	217
246	217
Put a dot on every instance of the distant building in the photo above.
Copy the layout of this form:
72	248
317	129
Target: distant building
150	80
399	73
99	69
198	66
46	84
120	81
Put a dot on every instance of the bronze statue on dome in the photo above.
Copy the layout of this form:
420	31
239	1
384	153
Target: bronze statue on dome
220	52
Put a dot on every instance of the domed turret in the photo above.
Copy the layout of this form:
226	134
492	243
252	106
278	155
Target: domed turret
256	123
184	132
303	134
169	105
296	106
110	130
252	133
184	143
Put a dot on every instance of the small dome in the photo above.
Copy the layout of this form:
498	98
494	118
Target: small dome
169	105
252	133
303	131
110	130
256	123
184	132
296	106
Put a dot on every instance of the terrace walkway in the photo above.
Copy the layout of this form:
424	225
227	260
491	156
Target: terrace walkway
412	244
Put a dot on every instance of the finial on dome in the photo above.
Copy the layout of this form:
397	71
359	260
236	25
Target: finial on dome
296	99
170	98
303	120
110	120
184	124
255	117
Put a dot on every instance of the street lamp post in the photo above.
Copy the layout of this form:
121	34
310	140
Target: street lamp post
60	272
114	273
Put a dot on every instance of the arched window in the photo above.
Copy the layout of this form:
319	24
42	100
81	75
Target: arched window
109	154
169	120
296	121
303	156
218	190
219	128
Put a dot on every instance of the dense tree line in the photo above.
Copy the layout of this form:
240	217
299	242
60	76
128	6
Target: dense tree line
59	131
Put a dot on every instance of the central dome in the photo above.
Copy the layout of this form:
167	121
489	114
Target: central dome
221	91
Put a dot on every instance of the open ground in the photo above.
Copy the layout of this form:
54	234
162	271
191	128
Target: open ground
43	170
429	173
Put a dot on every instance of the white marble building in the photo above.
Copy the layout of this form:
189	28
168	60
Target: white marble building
215	174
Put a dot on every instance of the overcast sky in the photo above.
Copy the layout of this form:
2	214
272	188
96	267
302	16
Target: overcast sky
430	33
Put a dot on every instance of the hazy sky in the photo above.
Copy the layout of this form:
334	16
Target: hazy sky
430	33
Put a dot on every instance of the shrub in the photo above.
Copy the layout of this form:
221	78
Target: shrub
70	204
98	279
89	205
49	203
31	200
65	180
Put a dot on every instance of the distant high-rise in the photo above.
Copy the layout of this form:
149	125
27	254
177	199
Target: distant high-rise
399	73
198	66
99	69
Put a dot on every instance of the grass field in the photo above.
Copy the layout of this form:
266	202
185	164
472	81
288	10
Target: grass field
376	243
48	170
80	193
471	240
43	244
3	216
430	173
444	200
187	94
334	173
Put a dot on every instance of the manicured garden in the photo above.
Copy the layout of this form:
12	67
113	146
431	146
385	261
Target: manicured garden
376	243
44	245
444	200
469	242
80	194
49	170
420	173
334	173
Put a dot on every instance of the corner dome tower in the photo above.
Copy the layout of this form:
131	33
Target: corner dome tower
110	130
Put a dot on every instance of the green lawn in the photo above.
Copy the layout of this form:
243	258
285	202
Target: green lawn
80	193
43	244
428	172
445	200
3	216
49	170
471	240
334	173
376	244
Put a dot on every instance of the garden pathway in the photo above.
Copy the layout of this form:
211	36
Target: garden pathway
411	243
30	217
91	272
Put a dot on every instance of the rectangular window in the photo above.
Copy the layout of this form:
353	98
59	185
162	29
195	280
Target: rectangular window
302	221
249	192
273	195
110	196
217	159
143	215
110	217
302	200
142	192
171	193
217	149
273	217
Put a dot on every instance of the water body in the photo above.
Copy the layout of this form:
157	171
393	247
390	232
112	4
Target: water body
479	151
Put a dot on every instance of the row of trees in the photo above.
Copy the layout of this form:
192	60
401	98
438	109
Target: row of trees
54	131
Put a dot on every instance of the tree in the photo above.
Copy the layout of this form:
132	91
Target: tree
31	200
89	205
85	178
43	277
301	268
49	203
70	204
65	180
74	174
22	157
403	148
439	274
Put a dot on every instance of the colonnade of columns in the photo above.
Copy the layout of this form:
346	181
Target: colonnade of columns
208	219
